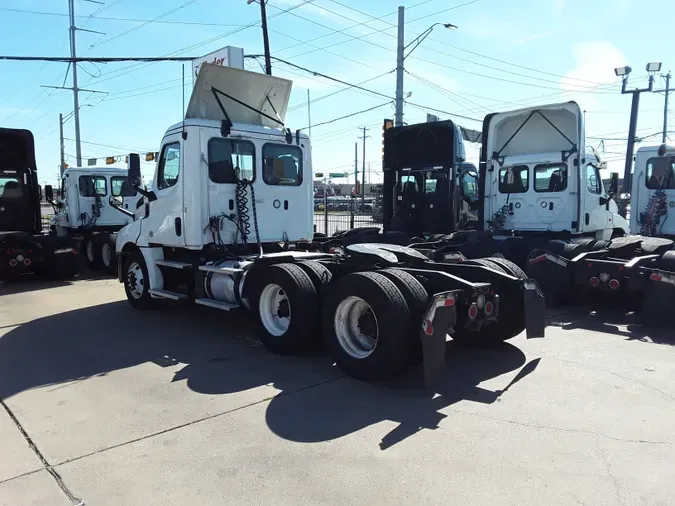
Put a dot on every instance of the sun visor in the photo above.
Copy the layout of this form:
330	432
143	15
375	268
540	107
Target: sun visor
544	129
248	97
17	149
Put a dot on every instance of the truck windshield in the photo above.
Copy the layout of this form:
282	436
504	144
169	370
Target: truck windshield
11	186
660	174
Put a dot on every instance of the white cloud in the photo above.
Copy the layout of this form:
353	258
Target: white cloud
558	6
595	62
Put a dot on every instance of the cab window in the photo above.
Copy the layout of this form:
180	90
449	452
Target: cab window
282	165
120	187
90	186
660	174
514	179
10	186
169	166
593	182
229	159
550	177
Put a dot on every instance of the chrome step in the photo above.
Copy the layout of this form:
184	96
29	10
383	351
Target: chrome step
167	294
220	270
173	264
225	306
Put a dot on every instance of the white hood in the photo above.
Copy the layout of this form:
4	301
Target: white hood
267	94
550	128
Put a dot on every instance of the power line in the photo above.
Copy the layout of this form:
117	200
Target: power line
109	18
350	115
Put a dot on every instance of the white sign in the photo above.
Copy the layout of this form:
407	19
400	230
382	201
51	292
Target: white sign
229	56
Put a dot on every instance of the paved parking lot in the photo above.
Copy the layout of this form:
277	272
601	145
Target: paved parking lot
105	405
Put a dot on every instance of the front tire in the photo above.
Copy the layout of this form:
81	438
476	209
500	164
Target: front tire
137	282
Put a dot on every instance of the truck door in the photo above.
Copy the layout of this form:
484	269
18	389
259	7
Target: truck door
120	187
165	223
92	194
553	205
513	184
284	192
595	217
657	197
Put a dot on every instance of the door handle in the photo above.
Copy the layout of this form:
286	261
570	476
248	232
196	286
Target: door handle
178	225
511	208
550	206
587	218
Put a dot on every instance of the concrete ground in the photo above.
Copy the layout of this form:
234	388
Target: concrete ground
102	404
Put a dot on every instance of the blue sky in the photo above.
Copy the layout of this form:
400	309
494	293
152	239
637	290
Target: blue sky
504	55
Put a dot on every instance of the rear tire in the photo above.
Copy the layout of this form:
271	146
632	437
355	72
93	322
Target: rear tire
365	326
287	310
318	273
137	282
416	296
109	255
92	253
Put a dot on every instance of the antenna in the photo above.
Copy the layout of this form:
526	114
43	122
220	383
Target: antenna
184	133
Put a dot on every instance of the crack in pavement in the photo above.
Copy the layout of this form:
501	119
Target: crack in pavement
46	465
608	466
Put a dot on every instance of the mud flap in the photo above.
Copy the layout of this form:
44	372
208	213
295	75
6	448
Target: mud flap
439	319
535	309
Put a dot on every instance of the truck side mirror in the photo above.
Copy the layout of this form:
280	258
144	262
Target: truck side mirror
134	170
49	193
613	184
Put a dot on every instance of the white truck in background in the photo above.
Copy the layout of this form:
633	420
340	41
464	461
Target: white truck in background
88	211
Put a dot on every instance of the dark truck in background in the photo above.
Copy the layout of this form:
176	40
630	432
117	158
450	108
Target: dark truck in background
24	246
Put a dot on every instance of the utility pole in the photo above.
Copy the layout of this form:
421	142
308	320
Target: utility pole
400	48
266	40
363	174
309	116
667	92
63	156
356	182
76	97
624	72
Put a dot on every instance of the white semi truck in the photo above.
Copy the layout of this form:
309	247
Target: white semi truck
229	224
88	212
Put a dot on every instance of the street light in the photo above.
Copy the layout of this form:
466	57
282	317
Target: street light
623	72
418	40
401	55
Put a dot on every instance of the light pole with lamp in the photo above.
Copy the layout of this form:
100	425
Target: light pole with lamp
401	56
624	72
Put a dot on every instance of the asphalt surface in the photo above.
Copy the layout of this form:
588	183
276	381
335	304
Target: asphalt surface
102	405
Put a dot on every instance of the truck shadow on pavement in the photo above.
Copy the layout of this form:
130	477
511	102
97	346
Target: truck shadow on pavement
34	282
215	354
632	326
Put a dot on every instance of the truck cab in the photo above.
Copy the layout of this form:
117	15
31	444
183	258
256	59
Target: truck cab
20	193
84	199
228	175
653	191
539	177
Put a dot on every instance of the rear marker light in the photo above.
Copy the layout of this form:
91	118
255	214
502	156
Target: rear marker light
614	284
13	262
473	311
27	262
480	301
489	308
656	277
594	281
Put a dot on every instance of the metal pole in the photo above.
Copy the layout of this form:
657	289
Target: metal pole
398	120
665	110
356	181
309	116
631	141
325	211
363	172
266	40
63	156
76	98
